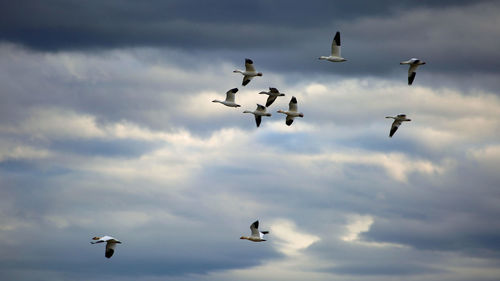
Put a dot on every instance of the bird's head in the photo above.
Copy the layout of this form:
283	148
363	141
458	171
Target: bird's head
96	238
301	115
259	74
243	237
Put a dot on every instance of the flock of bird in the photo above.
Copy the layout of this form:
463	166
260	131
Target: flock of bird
261	110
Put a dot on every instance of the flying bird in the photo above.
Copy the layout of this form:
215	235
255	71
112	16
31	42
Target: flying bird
414	63
335	55
397	121
259	112
257	236
292	112
229	101
110	244
249	72
273	94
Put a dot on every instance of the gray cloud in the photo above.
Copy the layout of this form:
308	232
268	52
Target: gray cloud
126	142
454	37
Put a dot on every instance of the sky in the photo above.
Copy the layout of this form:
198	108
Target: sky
107	128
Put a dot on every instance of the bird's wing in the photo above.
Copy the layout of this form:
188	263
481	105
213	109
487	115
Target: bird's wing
249	65
270	100
261	108
246	80
258	119
336	45
413	68
254	227
230	94
289	120
394	127
110	249
292	106
411	77
274	91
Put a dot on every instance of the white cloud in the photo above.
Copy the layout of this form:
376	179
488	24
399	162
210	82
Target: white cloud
209	165
357	224
290	239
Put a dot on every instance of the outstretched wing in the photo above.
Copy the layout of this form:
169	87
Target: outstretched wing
412	73
411	77
336	45
261	108
394	127
258	119
246	80
230	94
292	106
254	227
110	249
270	100
274	90
249	65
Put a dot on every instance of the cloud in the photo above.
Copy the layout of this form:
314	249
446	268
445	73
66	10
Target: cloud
127	143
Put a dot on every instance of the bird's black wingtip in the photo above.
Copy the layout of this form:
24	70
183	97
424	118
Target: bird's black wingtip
109	253
411	78
337	38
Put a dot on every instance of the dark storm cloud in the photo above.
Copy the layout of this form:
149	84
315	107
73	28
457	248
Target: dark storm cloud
76	24
282	35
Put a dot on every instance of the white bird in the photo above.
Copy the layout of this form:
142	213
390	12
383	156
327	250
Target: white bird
292	112
273	94
257	236
335	55
110	244
259	112
229	98
249	72
414	63
397	121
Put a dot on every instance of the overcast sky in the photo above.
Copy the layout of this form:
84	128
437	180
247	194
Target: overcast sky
107	128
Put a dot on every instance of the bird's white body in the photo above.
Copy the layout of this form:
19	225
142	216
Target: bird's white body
292	112
259	112
414	63
229	101
249	72
335	51
110	244
398	120
256	236
273	94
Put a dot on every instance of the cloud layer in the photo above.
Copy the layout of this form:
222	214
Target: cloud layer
107	127
129	153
